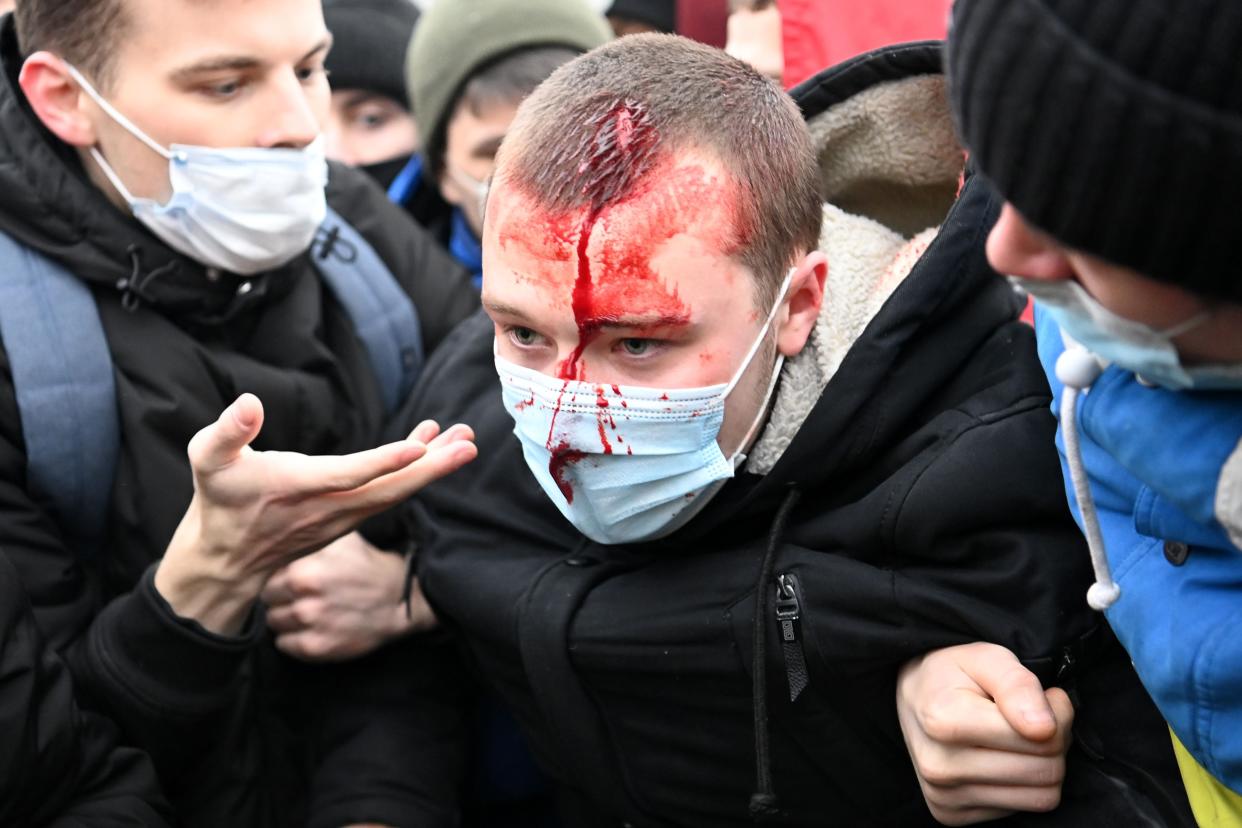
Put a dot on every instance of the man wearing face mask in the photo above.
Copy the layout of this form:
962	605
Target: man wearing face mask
470	64
750	453
163	183
370	124
1111	130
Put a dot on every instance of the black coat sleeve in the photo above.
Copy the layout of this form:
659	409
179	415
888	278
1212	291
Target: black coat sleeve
60	766
391	745
167	682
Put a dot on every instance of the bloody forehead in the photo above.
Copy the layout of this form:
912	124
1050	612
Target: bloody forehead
593	236
687	199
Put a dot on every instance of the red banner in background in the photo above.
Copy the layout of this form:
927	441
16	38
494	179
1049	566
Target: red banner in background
703	20
820	33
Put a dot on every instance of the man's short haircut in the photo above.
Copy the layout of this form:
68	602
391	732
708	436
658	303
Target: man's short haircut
599	125
83	32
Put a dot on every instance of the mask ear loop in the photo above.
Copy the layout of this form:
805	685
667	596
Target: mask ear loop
738	456
1189	325
763	332
115	114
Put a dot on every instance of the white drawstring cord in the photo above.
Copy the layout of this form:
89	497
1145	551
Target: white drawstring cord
1077	369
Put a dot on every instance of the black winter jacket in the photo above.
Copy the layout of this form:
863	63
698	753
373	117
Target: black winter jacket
924	508
58	765
185	342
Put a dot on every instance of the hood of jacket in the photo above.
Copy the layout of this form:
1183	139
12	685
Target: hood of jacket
909	297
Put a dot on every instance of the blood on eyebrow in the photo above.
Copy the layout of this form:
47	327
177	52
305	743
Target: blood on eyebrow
621	153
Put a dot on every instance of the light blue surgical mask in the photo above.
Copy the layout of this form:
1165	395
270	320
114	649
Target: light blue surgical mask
626	463
242	209
1148	353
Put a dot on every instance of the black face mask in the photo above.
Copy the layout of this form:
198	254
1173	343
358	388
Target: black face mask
383	172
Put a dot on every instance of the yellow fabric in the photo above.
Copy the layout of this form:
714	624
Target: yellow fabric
1214	805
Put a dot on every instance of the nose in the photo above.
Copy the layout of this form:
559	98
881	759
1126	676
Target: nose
1014	248
294	114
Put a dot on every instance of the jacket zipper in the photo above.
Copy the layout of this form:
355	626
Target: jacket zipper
789	618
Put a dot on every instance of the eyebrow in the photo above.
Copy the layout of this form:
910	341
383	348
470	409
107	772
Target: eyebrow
637	321
358	97
239	63
501	309
488	147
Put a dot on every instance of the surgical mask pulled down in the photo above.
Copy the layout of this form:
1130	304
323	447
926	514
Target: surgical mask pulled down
1133	346
244	210
626	463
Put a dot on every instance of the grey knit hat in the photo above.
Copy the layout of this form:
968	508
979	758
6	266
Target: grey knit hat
455	39
1113	125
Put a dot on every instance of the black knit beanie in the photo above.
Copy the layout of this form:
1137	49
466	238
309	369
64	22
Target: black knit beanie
662	14
1113	125
369	39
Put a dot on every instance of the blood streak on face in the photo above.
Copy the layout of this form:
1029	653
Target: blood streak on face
562	456
639	198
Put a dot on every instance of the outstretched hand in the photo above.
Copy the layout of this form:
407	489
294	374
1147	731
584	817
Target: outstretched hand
254	512
986	739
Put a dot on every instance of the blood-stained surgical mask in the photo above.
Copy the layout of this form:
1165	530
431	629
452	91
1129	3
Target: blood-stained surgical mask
624	463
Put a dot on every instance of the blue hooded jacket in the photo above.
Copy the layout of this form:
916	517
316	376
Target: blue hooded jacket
1165	471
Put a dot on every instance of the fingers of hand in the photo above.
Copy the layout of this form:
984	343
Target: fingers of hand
395	487
296	616
963	718
967	816
1062	709
306	645
300	579
308	475
973	803
1015	689
221	443
278	589
425	432
950	768
454	434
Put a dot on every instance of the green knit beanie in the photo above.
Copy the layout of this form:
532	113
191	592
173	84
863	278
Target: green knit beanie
457	38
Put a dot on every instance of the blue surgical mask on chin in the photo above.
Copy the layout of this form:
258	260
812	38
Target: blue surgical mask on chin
624	463
244	209
1148	353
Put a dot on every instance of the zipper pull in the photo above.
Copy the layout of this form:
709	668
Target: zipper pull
788	616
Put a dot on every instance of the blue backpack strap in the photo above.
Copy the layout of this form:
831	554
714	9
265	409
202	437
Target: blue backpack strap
66	394
383	315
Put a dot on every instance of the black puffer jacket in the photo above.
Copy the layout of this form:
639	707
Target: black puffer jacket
58	765
184	345
923	508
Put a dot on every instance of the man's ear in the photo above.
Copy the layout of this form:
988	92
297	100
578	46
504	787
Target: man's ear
802	304
57	100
